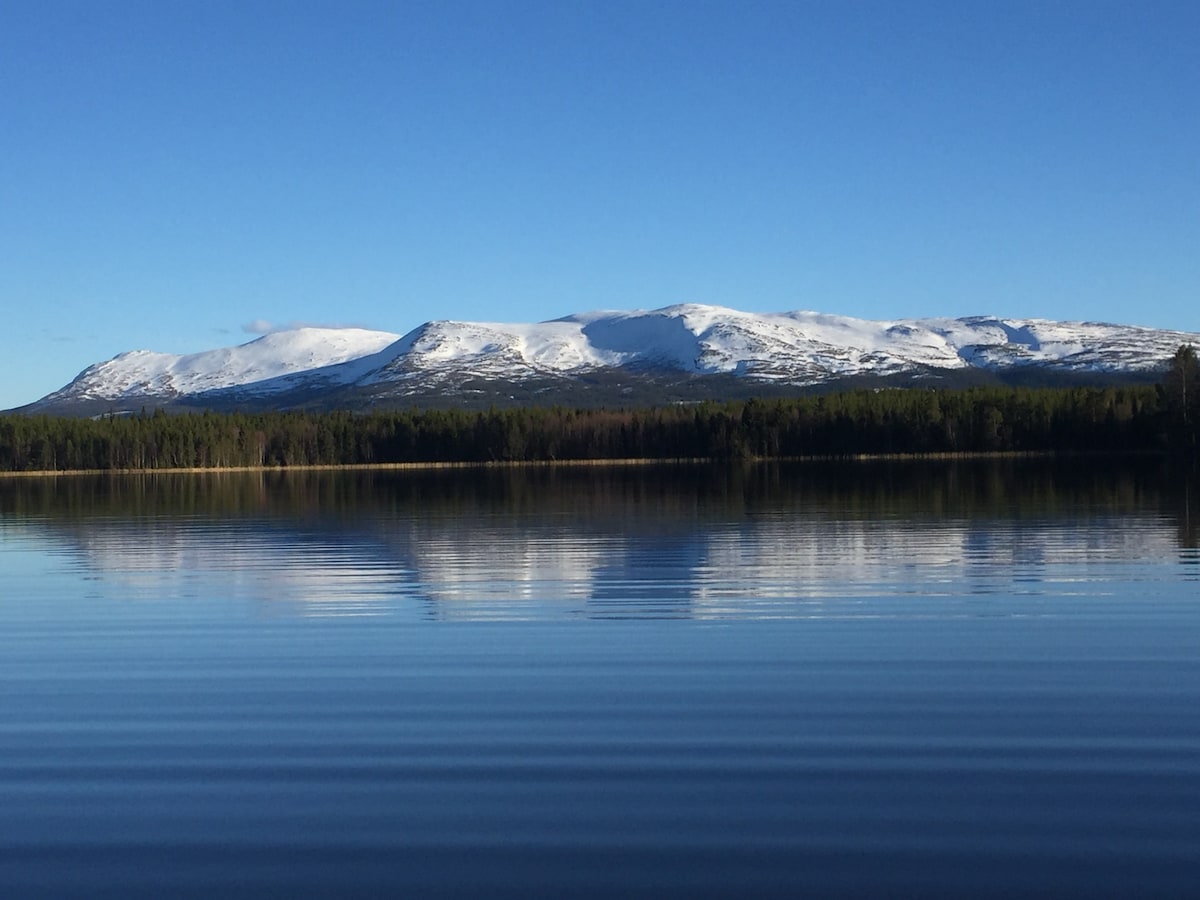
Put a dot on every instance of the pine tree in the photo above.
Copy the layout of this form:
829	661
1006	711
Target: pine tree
1180	392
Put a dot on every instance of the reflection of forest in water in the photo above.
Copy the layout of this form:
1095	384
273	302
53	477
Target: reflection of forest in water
667	496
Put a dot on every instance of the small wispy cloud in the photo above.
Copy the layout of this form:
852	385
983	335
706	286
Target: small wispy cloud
259	326
263	326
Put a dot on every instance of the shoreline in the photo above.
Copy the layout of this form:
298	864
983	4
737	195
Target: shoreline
579	463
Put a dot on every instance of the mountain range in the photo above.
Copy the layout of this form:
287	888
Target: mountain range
677	353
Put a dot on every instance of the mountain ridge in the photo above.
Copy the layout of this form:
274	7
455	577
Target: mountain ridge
683	351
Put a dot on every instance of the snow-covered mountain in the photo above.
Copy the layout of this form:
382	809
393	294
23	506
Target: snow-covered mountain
665	348
267	361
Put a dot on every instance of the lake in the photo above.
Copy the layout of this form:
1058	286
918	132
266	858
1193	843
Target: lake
975	679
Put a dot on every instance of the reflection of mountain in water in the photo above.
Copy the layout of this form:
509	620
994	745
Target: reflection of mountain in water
763	542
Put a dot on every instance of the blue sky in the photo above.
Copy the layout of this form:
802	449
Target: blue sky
171	172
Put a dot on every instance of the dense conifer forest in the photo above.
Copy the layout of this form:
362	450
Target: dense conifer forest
1157	418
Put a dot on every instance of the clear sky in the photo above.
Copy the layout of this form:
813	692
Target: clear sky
178	176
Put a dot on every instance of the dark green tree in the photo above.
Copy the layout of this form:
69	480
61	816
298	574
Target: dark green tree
1180	392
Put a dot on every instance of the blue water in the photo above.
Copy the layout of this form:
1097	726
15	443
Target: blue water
956	681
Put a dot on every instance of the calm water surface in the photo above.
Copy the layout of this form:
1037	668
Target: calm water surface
871	680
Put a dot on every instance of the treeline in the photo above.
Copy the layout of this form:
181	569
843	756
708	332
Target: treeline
1119	419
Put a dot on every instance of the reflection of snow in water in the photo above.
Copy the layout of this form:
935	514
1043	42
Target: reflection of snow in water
828	559
514	567
322	577
507	572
